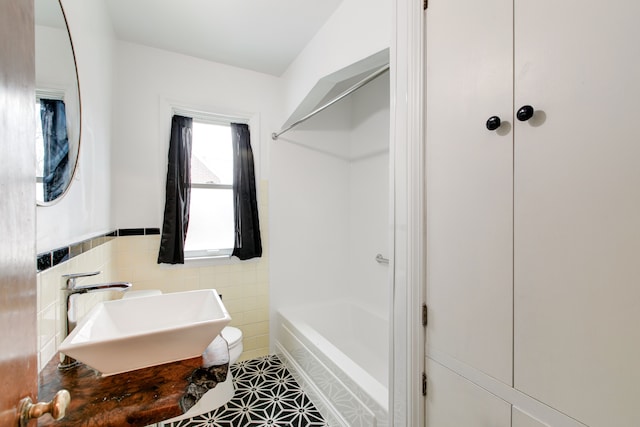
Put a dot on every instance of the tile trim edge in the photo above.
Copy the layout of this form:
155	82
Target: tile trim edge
54	257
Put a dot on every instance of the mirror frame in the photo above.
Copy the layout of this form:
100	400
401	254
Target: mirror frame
72	175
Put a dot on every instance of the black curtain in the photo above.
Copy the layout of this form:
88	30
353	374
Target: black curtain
178	193
56	148
247	233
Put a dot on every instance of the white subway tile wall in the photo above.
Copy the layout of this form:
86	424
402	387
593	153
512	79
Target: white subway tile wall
244	285
51	302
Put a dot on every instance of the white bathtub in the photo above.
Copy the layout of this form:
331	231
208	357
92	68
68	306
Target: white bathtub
339	354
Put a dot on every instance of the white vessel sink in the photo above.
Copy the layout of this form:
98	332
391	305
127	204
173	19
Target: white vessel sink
133	333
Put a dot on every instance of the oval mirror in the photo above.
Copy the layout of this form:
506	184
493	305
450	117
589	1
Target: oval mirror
57	103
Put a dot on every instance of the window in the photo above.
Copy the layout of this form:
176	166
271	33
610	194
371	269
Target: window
211	218
221	218
39	154
42	154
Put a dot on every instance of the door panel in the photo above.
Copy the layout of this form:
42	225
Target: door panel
521	419
577	208
469	72
18	362
452	401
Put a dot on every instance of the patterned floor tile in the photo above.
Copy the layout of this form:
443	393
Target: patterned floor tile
266	395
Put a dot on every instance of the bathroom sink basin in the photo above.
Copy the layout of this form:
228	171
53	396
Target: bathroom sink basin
124	335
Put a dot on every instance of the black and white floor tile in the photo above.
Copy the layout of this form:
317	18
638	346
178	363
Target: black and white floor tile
266	395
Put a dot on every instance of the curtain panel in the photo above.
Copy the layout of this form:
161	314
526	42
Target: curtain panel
178	192
248	243
56	148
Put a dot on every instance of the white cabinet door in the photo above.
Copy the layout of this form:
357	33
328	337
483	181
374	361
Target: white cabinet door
521	419
453	401
577	208
469	69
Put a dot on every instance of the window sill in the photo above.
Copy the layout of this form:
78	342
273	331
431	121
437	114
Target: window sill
206	257
219	258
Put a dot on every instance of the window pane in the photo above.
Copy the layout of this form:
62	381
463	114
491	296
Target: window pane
39	154
211	224
212	154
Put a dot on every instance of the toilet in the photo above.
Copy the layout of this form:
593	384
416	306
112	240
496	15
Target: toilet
233	336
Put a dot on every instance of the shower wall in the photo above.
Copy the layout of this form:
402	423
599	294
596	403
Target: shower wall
329	205
309	197
369	226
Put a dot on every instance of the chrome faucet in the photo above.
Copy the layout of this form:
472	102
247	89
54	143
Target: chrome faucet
73	289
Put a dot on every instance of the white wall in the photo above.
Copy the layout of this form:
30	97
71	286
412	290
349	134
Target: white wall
369	195
147	82
85	210
356	30
309	210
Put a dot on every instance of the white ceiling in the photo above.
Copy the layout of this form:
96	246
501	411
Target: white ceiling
259	35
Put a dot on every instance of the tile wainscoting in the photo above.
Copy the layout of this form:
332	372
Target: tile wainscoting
131	255
244	287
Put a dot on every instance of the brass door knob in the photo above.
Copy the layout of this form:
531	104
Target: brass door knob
57	408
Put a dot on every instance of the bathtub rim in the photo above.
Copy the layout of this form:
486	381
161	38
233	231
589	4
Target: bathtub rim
290	316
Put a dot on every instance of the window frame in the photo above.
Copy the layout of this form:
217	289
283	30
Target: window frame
206	115
53	94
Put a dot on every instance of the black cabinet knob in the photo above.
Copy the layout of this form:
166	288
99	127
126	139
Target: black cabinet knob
525	113
493	123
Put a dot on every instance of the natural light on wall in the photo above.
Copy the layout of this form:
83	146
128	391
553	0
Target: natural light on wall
211	219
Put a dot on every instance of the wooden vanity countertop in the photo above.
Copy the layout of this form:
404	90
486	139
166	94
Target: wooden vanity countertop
136	398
